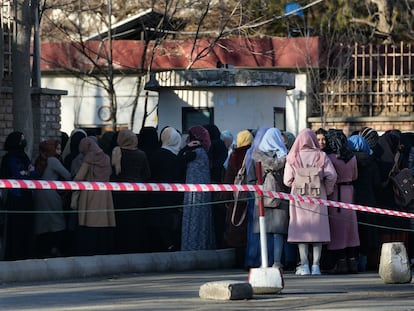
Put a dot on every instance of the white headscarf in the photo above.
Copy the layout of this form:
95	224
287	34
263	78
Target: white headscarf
171	140
273	141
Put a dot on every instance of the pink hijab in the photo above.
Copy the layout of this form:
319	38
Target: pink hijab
306	140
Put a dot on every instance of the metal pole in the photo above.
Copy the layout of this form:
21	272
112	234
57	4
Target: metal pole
262	222
36	76
110	68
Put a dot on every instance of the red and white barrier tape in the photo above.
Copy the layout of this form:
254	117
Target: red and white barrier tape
125	186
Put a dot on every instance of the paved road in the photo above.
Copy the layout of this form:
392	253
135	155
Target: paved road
179	291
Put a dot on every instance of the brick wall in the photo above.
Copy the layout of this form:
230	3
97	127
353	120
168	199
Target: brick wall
348	125
6	116
46	116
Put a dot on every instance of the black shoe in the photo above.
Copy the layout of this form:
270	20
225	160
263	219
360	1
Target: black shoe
341	267
353	265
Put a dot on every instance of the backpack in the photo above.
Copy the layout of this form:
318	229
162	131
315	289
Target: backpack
402	185
307	182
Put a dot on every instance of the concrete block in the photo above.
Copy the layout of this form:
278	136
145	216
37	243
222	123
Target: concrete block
266	280
394	264
226	290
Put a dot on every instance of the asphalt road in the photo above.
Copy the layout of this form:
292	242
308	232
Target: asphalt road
179	291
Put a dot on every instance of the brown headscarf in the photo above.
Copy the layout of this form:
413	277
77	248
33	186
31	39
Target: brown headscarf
126	140
200	133
306	139
47	149
97	159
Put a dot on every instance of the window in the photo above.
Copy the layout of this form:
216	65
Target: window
279	118
196	116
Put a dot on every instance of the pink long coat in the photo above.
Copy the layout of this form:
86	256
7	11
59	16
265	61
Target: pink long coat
309	223
343	222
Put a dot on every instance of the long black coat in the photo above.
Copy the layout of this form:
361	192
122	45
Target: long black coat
164	224
385	151
130	232
365	188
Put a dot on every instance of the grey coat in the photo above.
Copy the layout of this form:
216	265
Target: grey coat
50	200
276	219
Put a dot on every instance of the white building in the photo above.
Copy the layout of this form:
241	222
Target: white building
179	99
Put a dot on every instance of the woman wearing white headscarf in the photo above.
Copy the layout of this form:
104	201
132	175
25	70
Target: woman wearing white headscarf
164	223
271	153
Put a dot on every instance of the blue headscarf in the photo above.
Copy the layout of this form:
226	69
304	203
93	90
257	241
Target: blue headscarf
359	143
273	141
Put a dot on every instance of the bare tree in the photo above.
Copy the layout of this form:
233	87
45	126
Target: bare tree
73	22
336	21
382	20
22	104
96	55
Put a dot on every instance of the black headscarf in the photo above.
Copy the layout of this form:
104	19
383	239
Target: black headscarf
337	143
74	148
14	145
217	153
148	139
387	146
370	135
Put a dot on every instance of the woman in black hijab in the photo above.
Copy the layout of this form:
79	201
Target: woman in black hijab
19	236
217	155
384	151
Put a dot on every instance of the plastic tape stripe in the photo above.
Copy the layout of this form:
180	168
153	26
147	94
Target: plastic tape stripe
123	186
356	207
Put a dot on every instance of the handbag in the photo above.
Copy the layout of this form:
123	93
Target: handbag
74	201
239	179
402	184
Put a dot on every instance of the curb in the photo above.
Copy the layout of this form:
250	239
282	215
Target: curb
101	265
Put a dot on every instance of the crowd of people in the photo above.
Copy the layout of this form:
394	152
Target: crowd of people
309	238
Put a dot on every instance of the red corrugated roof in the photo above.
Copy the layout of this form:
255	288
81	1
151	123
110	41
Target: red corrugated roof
240	52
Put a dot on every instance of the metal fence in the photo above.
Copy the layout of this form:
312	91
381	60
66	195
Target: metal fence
377	81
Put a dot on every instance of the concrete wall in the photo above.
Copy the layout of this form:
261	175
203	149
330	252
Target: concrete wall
80	107
242	99
235	109
247	103
297	105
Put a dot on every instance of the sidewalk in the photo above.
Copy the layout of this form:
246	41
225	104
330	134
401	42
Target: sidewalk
105	265
180	291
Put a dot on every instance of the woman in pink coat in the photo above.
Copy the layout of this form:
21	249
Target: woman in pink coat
309	223
343	222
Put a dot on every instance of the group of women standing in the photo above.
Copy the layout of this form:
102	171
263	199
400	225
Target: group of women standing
352	170
48	223
35	225
342	240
